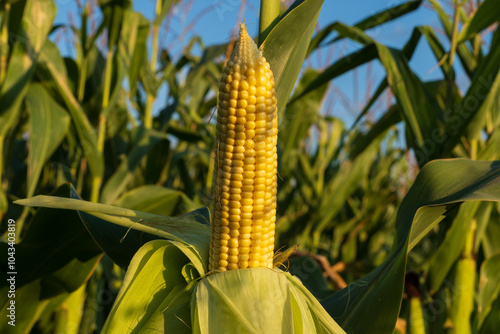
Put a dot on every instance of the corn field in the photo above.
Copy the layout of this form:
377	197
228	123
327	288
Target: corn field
210	188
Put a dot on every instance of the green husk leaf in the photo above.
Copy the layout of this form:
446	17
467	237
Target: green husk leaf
257	300
150	289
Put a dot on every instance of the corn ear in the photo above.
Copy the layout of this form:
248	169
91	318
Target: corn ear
245	173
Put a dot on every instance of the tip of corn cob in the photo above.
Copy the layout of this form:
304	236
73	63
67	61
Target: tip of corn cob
246	51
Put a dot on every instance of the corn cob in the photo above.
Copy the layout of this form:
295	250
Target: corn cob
245	173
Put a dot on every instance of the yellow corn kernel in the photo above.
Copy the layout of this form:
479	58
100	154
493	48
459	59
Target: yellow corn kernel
245	173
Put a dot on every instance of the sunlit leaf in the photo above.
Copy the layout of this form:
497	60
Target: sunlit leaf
150	288
285	47
186	233
439	184
487	14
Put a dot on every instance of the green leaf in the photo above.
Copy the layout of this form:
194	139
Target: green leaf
150	288
36	24
310	274
341	186
3	203
341	66
51	66
124	174
184	134
49	123
492	321
122	58
16	10
490	151
419	109
390	118
71	311
468	61
28	299
227	302
56	248
153	199
201	215
286	46
300	116
139	55
487	14
370	22
396	67
489	241
489	286
438	50
490	106
166	5
440	183
451	247
113	12
118	242
185	233
149	80
480	100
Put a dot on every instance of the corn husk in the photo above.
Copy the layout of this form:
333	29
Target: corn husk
257	300
162	292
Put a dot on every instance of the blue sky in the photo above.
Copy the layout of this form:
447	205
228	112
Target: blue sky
215	21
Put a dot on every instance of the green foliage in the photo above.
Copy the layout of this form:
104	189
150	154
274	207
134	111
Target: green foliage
73	129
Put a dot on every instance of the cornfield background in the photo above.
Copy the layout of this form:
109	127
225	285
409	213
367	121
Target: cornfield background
126	120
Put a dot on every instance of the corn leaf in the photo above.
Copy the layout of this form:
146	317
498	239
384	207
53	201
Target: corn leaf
370	22
341	66
29	297
122	58
481	99
139	55
154	199
309	272
124	174
285	47
489	105
36	24
299	117
52	67
56	248
49	123
166	5
390	118
468	61
489	286
439	187
69	312
487	14
342	185
113	12
438	50
135	228
451	247
118	242
150	290
490	151
422	122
